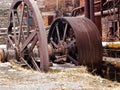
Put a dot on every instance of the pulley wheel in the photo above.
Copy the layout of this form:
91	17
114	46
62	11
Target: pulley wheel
26	35
76	39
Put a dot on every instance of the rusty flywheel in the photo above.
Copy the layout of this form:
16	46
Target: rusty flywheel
26	35
76	39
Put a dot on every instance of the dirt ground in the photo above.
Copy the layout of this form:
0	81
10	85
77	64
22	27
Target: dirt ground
60	77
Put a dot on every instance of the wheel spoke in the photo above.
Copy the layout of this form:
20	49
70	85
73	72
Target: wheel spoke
22	59
58	34
28	28
13	17
73	60
18	17
71	43
34	63
33	43
65	31
54	44
28	40
21	20
11	42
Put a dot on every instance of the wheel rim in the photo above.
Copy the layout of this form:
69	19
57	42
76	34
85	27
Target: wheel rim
26	34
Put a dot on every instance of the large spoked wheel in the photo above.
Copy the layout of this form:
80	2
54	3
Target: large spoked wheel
75	39
26	35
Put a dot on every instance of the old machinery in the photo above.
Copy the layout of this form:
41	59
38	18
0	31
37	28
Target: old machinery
70	39
76	38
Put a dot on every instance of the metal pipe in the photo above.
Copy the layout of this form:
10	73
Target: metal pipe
92	17
87	8
111	45
101	7
106	12
113	61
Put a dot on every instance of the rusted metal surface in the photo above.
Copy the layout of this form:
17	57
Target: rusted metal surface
77	11
110	18
92	16
2	55
80	10
92	11
87	8
106	12
26	32
79	38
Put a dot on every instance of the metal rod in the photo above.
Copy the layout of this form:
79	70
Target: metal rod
53	43
27	41
26	63
71	43
33	43
13	17
106	12
92	17
58	34
73	60
28	28
20	32
65	31
87	8
34	63
10	41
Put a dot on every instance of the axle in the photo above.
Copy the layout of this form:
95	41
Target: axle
12	53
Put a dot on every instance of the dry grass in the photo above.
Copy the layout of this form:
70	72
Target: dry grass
77	78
